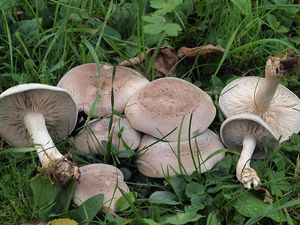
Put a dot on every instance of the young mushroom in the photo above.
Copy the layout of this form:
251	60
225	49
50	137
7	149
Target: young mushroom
103	179
275	104
34	114
247	133
160	159
160	106
84	84
89	139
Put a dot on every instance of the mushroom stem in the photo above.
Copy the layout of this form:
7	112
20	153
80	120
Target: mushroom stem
268	86
276	67
265	94
48	154
249	143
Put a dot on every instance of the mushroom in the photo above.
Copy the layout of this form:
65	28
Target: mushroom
84	84
275	104
89	139
33	113
159	159
103	179
160	106
247	133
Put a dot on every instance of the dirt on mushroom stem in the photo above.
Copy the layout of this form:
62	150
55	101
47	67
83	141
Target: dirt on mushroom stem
61	170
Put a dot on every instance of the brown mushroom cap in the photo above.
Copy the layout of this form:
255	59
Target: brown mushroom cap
90	138
100	178
56	105
160	106
235	128
83	83
283	115
161	159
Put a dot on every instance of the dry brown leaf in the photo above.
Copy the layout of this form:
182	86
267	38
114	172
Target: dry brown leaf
201	50
167	58
265	194
164	62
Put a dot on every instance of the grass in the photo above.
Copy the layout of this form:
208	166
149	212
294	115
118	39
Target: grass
41	40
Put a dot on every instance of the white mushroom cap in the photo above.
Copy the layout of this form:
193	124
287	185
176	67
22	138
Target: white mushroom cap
235	128
56	105
159	107
89	139
161	159
100	178
283	115
83	83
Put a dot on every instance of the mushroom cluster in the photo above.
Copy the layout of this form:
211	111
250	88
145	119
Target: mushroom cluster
160	110
174	116
260	112
166	120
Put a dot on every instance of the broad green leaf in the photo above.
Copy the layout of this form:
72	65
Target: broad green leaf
278	183
244	6
150	222
158	20
44	193
163	197
197	202
178	184
180	218
248	205
212	219
273	22
7	4
153	29
114	220
125	201
172	29
30	27
194	188
127	153
272	210
86	212
64	198
217	82
282	29
17	150
164	6
44	190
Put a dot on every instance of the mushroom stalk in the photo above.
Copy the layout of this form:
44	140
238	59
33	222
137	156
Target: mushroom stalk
276	67
48	154
269	85
265	93
249	143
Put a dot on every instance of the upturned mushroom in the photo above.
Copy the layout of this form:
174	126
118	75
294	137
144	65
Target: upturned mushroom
161	105
89	140
100	179
275	104
84	85
160	159
33	114
247	133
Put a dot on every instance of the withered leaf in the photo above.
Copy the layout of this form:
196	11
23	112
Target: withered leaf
164	62
166	58
197	51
